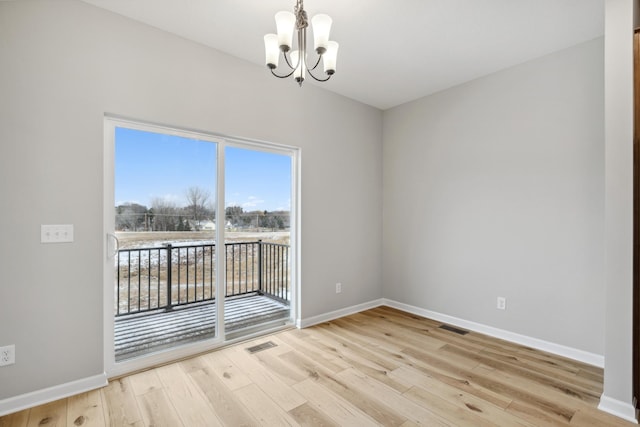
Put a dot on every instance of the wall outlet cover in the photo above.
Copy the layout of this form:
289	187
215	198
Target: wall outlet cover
7	355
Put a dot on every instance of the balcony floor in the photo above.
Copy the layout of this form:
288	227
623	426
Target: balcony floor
140	334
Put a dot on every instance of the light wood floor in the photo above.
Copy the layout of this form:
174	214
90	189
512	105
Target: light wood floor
379	367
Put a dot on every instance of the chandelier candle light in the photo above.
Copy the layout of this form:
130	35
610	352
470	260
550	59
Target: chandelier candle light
286	23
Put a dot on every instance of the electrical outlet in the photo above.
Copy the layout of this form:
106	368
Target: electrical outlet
7	355
502	303
338	288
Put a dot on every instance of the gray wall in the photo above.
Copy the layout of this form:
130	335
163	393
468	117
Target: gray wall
64	65
496	188
618	384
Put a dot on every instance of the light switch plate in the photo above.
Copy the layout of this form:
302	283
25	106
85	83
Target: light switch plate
62	233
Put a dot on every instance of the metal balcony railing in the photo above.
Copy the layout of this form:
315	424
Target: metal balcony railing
161	278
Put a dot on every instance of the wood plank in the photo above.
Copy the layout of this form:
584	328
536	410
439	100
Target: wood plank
596	378
363	336
308	416
120	402
335	407
283	370
546	395
190	403
494	345
541	367
465	401
329	359
538	416
227	371
505	387
285	396
263	408
374	365
411	330
157	410
52	414
86	410
377	410
454	407
16	419
553	382
346	349
225	404
591	417
379	391
433	364
144	382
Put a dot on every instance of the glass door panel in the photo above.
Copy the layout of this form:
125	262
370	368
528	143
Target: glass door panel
258	189
165	280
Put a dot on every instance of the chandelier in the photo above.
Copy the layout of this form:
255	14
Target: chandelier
296	60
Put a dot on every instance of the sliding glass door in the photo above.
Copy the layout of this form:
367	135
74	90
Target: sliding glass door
199	241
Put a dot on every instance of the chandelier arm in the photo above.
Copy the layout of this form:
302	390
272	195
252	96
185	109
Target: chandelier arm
283	76
317	79
317	63
286	59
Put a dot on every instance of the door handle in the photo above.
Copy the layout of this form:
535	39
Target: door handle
116	246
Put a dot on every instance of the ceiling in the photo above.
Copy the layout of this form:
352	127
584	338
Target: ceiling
391	51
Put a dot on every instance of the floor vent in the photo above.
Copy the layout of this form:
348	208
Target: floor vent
260	347
454	329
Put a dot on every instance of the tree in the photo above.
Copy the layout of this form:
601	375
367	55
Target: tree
234	215
164	213
264	220
183	225
282	219
273	221
130	216
210	211
196	204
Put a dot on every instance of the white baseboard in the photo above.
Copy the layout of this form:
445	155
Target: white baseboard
303	323
620	409
39	397
549	347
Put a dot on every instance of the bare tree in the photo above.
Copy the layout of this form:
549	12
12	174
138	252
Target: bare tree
196	204
165	214
234	215
130	216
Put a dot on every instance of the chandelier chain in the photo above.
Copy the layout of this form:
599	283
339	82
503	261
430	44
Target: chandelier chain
301	15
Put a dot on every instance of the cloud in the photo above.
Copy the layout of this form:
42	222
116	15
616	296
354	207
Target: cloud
256	203
252	202
285	207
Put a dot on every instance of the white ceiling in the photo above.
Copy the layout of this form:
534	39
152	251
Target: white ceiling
391	51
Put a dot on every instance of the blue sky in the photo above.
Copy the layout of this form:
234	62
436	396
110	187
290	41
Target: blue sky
150	165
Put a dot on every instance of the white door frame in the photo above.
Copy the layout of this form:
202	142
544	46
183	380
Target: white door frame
113	368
